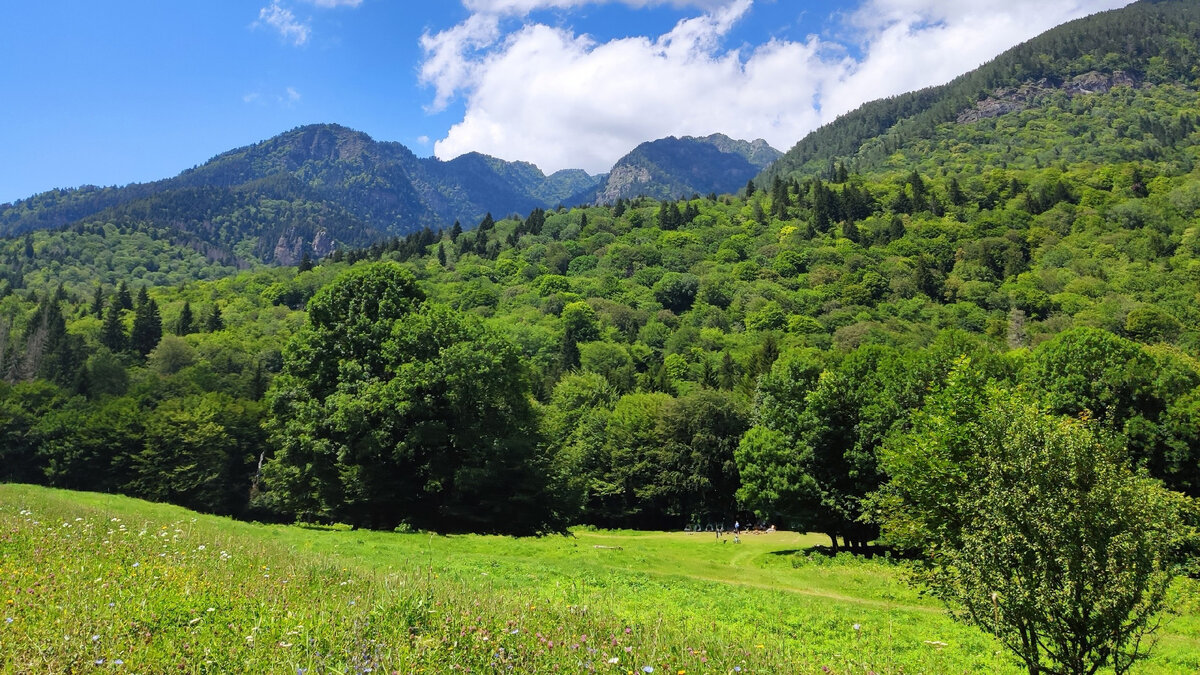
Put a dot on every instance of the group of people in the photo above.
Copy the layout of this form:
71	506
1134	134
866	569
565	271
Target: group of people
718	530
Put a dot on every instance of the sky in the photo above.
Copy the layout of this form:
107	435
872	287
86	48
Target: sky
109	93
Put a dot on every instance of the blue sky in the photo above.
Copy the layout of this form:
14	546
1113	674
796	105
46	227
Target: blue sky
136	90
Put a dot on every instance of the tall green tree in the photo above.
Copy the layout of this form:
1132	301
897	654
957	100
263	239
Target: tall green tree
186	323
393	411
1033	527
112	331
147	325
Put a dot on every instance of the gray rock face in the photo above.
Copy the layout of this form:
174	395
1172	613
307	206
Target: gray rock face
1013	99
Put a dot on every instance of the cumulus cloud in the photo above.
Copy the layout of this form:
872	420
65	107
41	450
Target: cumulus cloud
526	6
282	20
330	4
561	99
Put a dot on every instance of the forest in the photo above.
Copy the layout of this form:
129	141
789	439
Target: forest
658	358
993	321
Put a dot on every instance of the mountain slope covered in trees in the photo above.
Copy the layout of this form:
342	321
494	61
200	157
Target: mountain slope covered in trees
1149	43
873	348
320	187
671	168
305	191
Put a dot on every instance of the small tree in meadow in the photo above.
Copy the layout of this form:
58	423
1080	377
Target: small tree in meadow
1034	528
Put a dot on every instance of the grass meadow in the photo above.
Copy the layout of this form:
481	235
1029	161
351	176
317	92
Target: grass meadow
99	583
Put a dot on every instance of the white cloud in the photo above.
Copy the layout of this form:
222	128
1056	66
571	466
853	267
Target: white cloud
525	6
330	4
561	99
292	95
450	55
281	19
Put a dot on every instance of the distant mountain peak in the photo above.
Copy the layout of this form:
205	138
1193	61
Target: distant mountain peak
673	167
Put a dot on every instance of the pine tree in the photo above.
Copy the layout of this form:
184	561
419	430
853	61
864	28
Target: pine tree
455	231
441	254
186	323
124	299
112	332
850	231
97	308
955	193
487	223
147	325
306	263
215	322
727	374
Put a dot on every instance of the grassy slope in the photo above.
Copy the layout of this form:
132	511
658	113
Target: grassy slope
89	580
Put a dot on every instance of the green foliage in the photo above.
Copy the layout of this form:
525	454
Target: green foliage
1033	528
1158	41
390	410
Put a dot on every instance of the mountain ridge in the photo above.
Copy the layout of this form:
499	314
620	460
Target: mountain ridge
316	187
1149	41
674	167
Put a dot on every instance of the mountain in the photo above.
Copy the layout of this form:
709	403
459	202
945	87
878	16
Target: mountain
672	167
308	190
1146	44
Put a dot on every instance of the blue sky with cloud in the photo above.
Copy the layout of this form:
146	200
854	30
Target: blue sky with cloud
111	93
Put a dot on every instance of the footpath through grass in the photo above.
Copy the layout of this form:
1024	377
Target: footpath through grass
92	583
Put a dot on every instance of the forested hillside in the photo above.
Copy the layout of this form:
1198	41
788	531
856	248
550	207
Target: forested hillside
961	326
1153	42
323	187
671	168
659	337
309	190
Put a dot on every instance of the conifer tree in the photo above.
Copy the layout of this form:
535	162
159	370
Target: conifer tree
97	308
215	321
186	323
147	324
124	299
112	332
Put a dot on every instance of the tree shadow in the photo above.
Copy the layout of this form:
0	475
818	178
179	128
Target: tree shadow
867	553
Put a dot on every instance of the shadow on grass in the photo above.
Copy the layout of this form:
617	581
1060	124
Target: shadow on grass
867	552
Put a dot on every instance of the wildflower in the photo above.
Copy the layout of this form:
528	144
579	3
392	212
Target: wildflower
647	669
95	638
737	669
99	662
118	662
8	619
857	626
614	660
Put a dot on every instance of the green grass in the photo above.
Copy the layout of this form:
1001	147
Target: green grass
97	583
